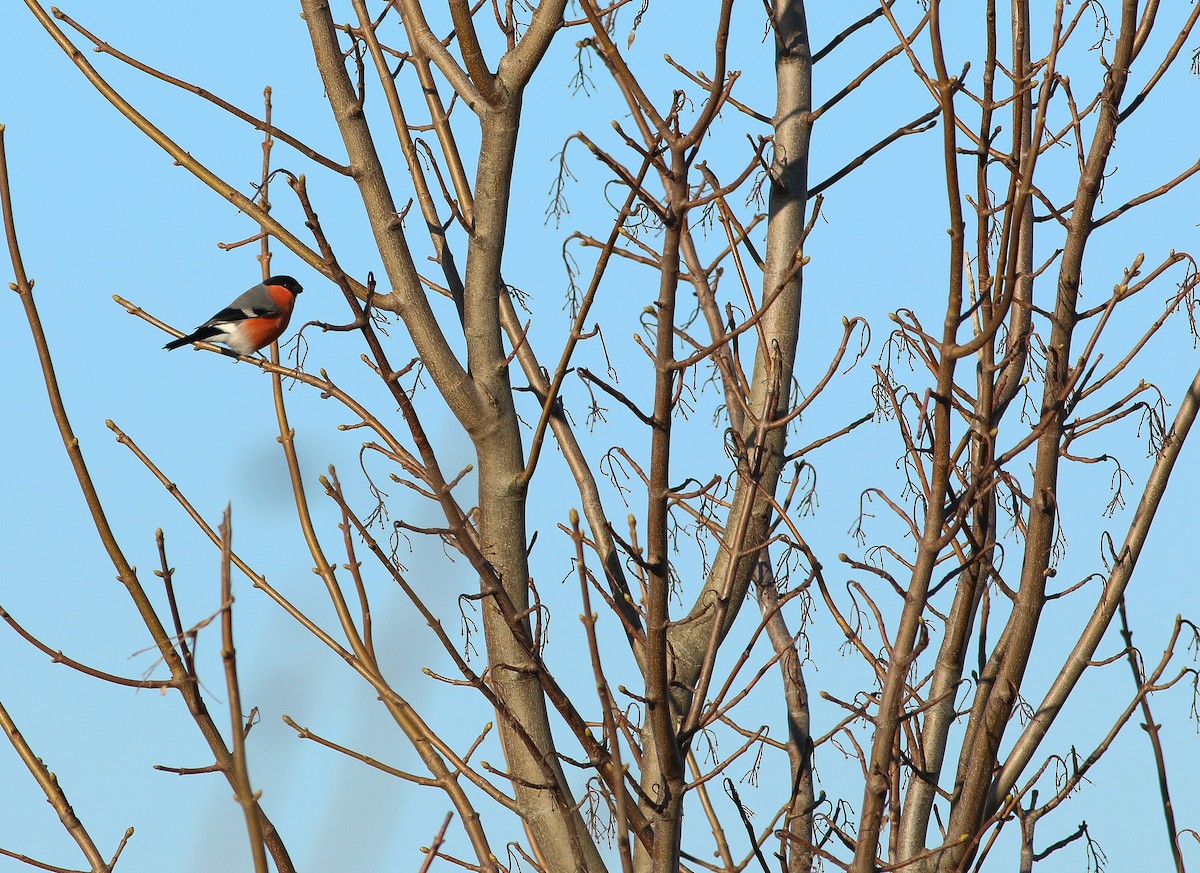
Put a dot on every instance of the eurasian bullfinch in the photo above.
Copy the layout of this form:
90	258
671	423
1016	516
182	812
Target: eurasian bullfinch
252	321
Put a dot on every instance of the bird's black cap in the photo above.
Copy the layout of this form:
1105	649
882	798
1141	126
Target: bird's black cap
285	282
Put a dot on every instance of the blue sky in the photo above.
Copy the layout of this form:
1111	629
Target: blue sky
102	211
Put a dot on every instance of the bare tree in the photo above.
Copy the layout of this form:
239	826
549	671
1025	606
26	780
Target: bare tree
697	571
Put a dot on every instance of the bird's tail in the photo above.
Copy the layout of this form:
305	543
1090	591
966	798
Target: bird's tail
197	336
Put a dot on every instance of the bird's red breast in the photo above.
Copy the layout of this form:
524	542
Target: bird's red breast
264	330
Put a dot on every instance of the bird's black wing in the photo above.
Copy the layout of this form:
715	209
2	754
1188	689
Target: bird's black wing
232	314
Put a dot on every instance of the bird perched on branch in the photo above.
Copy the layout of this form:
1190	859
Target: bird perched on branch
252	321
